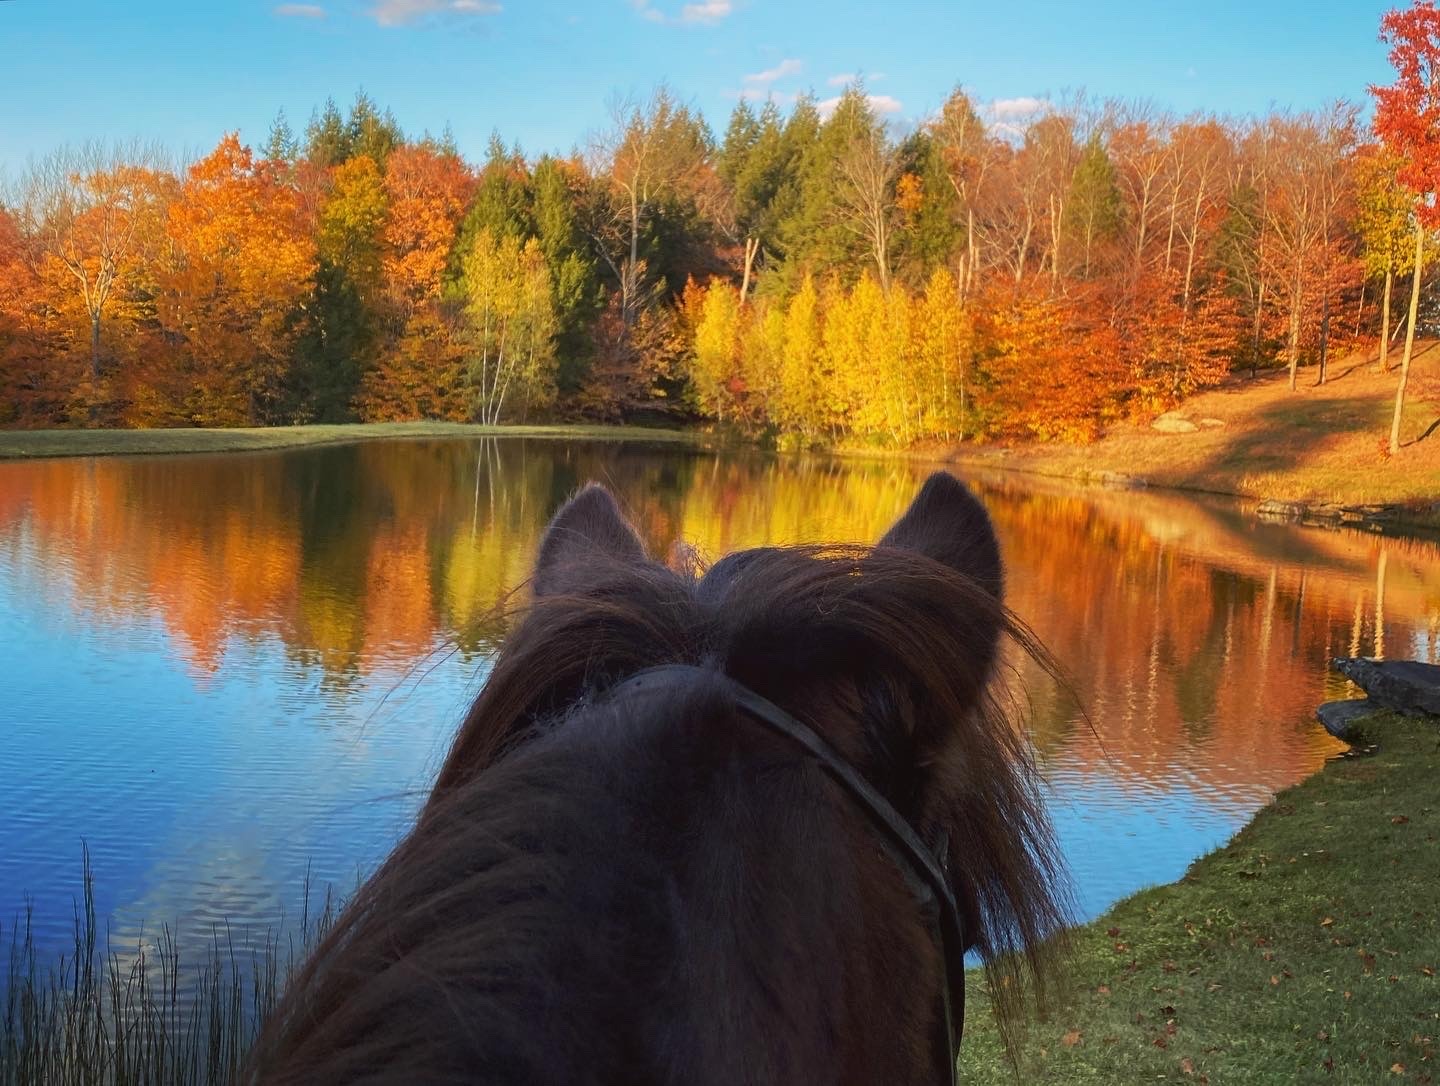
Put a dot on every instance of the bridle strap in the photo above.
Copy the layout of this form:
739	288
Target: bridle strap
923	873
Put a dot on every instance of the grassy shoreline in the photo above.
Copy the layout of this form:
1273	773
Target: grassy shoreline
38	444
1316	448
1305	950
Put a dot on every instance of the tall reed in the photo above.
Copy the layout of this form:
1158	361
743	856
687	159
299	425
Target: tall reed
99	1015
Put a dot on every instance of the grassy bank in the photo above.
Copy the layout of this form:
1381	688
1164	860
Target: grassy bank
30	444
1256	438
1306	950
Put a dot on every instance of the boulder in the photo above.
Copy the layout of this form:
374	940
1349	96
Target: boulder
1337	716
1407	686
1212	424
1273	507
1172	422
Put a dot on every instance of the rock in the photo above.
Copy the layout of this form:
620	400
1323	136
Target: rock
1272	507
1119	480
1172	422
1212	424
1407	686
1337	716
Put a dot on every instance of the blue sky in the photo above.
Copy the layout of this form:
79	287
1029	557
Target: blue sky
542	71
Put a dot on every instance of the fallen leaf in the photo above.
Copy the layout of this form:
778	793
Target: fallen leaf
1160	1042
1071	1039
1104	989
1274	979
1187	1065
1397	1068
1399	820
1327	921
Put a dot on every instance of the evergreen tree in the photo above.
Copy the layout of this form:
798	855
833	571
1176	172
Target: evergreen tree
281	146
574	277
370	132
931	229
1096	206
327	140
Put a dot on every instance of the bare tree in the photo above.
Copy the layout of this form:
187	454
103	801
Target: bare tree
92	209
650	150
969	153
867	170
1307	199
1138	148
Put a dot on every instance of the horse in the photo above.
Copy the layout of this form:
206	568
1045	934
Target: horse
675	837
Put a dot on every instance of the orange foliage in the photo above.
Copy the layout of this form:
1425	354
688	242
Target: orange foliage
239	261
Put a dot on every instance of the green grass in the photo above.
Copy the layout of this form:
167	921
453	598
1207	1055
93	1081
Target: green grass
30	444
1305	950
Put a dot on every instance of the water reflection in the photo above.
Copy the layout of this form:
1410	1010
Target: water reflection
225	672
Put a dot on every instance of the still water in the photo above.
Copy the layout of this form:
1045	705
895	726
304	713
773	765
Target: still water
226	675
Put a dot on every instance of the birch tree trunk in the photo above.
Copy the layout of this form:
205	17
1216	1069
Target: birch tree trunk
1409	339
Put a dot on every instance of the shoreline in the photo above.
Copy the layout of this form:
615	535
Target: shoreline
1304	949
56	444
1290	503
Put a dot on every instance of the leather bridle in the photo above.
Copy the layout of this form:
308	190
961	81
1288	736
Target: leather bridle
924	870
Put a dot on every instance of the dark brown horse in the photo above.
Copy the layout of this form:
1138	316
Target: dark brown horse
616	882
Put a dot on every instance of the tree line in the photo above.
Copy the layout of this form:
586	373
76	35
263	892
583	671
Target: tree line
812	274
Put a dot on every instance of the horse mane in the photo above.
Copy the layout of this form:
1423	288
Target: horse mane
468	951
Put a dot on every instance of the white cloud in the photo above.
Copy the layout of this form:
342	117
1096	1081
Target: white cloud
880	103
401	12
1009	117
844	79
766	94
1009	109
707	12
300	11
770	75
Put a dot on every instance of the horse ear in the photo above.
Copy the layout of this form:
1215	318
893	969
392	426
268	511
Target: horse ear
588	532
947	523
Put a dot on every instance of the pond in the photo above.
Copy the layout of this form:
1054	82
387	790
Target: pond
228	675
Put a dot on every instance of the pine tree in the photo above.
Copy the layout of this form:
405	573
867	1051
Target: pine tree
282	146
1096	209
327	140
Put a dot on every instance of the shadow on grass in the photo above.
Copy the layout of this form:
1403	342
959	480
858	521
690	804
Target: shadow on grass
1284	436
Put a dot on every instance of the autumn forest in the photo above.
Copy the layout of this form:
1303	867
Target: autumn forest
811	275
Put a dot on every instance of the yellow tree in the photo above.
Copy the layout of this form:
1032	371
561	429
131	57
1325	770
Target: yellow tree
854	328
509	307
944	344
1383	210
799	405
715	371
762	353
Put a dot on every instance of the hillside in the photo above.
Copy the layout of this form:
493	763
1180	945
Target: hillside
1316	445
